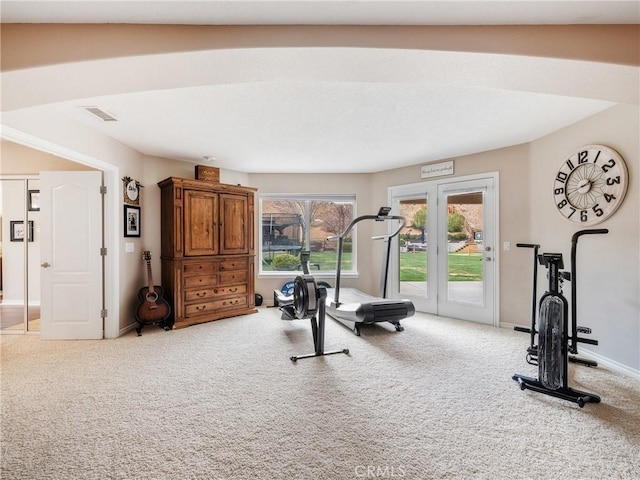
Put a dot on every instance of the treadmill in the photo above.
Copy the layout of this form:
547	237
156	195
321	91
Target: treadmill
352	307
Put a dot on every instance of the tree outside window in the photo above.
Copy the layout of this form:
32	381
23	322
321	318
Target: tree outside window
291	224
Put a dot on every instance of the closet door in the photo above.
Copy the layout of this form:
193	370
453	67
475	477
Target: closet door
200	223
71	255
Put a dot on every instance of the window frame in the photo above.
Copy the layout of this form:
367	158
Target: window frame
317	197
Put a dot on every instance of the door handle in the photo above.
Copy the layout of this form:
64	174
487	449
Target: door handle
45	265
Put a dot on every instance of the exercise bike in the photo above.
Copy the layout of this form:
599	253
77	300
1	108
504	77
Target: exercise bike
556	341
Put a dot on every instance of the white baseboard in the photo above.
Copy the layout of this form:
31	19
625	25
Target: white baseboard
127	329
611	364
607	362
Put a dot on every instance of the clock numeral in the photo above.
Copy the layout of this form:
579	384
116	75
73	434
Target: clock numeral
558	191
612	180
597	155
583	216
561	177
597	210
570	164
609	165
573	210
608	197
583	157
562	204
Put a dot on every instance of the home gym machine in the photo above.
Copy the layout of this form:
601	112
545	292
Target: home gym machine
555	341
353	308
284	298
309	301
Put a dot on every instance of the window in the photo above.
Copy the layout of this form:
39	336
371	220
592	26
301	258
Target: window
294	223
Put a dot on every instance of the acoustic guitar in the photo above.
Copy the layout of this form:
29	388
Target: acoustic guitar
153	308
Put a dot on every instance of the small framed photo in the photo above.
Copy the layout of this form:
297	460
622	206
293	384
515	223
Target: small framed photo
17	232
131	221
34	200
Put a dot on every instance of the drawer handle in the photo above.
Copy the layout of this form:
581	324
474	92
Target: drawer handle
201	308
215	290
233	290
201	294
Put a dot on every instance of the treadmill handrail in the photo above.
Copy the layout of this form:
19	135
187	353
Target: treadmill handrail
341	236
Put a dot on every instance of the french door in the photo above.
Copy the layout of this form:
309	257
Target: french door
446	262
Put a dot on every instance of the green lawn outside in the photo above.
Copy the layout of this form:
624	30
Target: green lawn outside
462	267
413	266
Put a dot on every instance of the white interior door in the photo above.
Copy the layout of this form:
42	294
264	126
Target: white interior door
71	259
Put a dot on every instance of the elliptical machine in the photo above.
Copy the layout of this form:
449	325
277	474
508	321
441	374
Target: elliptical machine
555	340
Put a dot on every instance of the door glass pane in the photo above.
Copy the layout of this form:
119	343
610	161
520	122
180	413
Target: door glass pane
12	256
19	256
465	267
413	247
33	255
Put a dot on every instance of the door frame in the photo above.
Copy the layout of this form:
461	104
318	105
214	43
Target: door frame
111	273
399	192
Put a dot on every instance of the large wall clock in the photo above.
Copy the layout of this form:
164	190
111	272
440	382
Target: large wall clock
590	185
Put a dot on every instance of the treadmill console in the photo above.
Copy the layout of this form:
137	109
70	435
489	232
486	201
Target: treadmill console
383	212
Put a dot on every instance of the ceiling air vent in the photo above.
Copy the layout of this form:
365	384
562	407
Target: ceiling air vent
101	114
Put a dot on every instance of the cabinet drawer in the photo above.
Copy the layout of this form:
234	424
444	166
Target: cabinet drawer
205	308
233	277
199	309
198	295
232	290
231	302
200	281
234	264
205	294
199	268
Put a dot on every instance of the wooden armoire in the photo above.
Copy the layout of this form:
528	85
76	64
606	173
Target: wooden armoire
207	250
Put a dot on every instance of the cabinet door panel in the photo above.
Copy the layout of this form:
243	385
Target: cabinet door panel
200	223
234	210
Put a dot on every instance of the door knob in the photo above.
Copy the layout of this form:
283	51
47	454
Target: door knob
45	265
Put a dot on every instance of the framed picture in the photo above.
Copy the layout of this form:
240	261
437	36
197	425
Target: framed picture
34	200
131	221
17	233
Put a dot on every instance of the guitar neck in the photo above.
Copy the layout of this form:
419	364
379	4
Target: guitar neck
149	276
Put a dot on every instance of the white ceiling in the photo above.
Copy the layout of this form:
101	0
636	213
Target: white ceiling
283	110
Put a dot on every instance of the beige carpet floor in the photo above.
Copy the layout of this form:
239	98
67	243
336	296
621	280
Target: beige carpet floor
223	401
